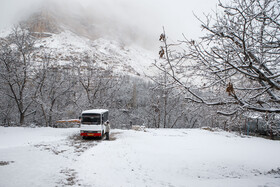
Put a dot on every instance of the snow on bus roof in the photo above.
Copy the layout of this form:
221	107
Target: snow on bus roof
97	111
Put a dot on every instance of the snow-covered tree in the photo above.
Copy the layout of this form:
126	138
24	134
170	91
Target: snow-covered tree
237	62
16	73
167	105
54	93
98	84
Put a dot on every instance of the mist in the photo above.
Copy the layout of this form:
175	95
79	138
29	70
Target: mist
131	21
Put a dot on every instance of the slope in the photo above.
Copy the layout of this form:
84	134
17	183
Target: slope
71	38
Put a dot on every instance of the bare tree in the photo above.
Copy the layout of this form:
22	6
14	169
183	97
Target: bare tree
16	72
98	84
55	86
166	102
238	59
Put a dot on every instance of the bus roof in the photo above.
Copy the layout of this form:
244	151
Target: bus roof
95	111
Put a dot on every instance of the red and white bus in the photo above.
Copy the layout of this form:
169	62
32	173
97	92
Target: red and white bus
93	122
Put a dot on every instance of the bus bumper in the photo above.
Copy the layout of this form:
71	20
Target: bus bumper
91	134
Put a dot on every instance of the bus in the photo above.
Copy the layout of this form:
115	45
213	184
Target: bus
93	122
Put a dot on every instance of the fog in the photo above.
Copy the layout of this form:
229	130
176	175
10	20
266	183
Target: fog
132	21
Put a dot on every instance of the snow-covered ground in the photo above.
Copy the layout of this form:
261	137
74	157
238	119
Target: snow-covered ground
157	157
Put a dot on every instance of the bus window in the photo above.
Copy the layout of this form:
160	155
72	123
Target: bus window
91	119
105	117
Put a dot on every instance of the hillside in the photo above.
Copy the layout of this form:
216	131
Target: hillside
157	157
70	38
66	48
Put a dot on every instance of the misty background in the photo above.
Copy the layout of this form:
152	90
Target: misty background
131	21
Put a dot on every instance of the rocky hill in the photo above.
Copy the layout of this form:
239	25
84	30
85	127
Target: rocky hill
72	38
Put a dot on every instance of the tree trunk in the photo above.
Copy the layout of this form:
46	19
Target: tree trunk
21	119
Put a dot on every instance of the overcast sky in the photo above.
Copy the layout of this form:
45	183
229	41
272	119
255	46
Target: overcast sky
147	16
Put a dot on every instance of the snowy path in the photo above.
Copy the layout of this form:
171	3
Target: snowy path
162	157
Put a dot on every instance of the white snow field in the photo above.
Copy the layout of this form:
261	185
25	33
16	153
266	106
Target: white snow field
158	157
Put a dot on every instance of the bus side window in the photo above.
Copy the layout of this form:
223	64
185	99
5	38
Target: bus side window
106	116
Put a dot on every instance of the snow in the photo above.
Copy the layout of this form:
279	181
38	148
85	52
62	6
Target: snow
154	157
18	136
98	111
67	48
4	32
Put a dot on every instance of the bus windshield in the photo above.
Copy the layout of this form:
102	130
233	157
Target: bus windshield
91	119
